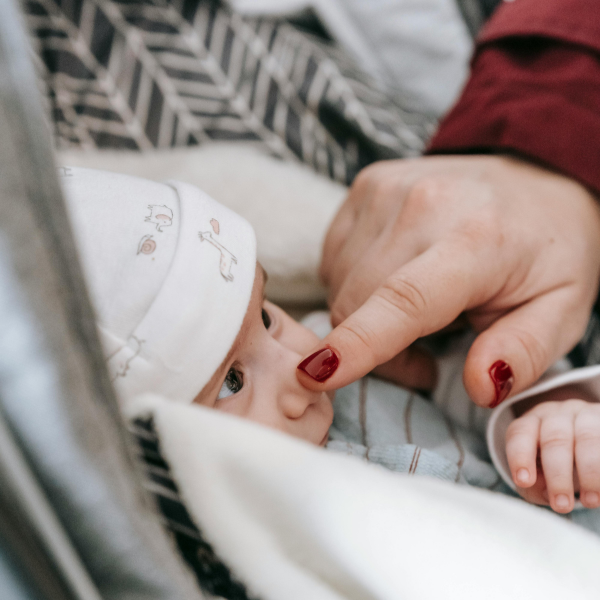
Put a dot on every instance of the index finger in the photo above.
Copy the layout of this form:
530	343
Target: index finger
423	296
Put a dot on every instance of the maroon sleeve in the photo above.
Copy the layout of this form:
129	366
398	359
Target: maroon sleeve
534	88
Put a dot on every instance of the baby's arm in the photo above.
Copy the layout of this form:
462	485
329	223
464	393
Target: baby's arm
553	449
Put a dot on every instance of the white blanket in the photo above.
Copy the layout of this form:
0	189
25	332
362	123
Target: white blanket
295	522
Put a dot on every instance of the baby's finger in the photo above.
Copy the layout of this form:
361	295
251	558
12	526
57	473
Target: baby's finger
522	438
537	493
587	456
556	446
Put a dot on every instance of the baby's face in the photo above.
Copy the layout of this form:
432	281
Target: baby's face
257	380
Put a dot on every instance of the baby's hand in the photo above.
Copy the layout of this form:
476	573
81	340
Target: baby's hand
545	444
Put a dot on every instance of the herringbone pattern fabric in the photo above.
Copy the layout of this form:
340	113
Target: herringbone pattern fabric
143	74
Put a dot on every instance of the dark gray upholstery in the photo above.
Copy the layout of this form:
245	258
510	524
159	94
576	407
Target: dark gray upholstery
477	12
74	519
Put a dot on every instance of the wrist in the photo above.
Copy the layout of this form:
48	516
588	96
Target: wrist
530	108
561	394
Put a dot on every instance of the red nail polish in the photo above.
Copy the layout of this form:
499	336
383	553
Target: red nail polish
503	379
321	365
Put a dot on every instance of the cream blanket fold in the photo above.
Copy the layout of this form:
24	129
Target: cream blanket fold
297	523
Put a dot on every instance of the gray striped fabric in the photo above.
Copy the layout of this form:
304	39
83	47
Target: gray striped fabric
402	431
385	424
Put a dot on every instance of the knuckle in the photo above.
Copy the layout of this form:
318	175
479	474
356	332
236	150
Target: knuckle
518	457
365	177
587	434
338	312
423	195
385	192
518	428
543	409
535	352
359	336
555	439
482	229
336	316
404	296
364	183
558	484
573	405
589	474
589	413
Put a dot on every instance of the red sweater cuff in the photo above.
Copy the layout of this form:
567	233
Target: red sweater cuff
538	97
574	21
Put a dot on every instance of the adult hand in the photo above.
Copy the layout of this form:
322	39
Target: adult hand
512	247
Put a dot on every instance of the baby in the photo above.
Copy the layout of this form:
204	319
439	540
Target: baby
182	313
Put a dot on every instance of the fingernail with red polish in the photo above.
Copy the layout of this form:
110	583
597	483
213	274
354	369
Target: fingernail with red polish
503	379
321	365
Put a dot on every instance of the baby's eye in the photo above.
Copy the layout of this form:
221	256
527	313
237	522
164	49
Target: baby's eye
234	382
266	319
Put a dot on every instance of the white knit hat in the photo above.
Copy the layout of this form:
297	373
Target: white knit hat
170	273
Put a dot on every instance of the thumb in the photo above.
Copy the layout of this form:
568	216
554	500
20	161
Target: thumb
514	352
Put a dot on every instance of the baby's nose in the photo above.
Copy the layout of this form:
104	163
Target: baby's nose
294	403
294	398
279	361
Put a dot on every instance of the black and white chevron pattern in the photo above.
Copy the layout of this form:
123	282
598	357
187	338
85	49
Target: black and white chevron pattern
144	74
212	574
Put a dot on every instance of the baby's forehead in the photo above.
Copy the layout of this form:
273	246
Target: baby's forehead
253	312
244	336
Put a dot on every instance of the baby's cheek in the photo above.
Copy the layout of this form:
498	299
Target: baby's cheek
230	405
